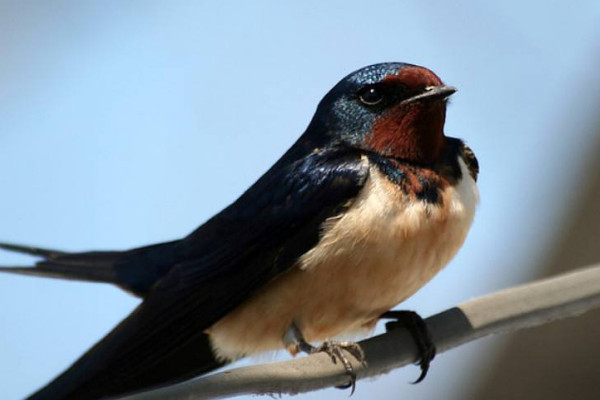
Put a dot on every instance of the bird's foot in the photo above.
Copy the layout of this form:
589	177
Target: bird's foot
335	350
295	342
417	328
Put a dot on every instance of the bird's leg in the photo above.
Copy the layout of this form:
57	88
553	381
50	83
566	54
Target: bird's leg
294	341
418	330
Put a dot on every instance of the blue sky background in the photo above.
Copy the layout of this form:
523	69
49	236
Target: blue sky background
129	123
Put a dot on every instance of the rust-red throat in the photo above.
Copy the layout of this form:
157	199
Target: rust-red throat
414	131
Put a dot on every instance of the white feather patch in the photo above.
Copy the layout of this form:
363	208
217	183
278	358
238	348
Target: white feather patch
375	255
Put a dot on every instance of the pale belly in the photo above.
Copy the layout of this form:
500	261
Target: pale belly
381	251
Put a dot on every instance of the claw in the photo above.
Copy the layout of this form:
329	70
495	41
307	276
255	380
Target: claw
420	333
294	340
335	350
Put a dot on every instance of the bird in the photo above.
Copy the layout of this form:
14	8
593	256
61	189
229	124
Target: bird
369	203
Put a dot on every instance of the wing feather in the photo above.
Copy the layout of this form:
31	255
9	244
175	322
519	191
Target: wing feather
224	262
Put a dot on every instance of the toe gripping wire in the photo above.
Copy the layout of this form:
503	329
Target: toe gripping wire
417	328
295	340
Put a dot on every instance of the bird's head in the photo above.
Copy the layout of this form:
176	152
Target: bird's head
393	109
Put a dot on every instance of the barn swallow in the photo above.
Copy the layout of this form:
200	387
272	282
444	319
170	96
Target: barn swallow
364	209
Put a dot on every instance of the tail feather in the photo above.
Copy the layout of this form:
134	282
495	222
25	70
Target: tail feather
79	272
34	251
91	266
134	271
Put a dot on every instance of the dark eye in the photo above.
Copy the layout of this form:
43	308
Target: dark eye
370	96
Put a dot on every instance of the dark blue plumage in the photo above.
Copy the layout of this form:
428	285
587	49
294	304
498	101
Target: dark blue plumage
189	284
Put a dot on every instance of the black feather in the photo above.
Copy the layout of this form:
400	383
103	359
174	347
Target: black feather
219	266
134	271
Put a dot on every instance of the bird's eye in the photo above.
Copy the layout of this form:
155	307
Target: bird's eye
370	96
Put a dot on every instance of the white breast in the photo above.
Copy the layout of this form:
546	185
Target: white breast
378	253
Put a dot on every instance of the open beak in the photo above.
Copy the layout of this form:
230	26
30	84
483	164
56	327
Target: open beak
431	93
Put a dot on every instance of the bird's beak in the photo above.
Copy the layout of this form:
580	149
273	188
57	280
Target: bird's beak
431	93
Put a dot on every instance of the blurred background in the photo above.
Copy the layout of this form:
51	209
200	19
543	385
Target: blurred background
129	123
